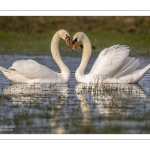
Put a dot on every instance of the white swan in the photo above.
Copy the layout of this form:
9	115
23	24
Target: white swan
30	71
112	65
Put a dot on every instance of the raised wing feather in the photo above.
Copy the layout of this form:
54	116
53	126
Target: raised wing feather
129	65
110	60
32	69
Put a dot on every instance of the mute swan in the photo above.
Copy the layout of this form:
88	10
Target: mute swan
30	71
112	65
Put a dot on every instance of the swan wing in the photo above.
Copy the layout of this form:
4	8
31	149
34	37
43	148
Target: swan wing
110	60
32	69
128	66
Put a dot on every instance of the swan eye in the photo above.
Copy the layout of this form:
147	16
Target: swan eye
67	37
75	40
74	44
67	40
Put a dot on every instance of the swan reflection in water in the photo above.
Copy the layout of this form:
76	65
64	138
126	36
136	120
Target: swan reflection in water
111	98
32	93
70	108
41	96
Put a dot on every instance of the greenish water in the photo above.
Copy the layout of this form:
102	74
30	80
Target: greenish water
73	108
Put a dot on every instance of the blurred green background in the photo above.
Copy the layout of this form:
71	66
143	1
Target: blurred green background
27	35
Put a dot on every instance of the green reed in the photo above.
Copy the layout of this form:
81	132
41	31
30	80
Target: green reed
39	44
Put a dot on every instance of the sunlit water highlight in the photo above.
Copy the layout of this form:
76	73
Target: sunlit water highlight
73	108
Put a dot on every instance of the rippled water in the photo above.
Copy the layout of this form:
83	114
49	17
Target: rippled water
73	108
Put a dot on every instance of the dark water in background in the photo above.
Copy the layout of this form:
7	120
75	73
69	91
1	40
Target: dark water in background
73	108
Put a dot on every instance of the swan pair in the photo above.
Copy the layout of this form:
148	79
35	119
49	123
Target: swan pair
113	65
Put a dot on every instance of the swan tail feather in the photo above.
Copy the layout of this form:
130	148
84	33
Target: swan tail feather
4	69
7	73
13	76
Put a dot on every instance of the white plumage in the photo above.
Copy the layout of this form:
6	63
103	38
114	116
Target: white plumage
30	71
113	64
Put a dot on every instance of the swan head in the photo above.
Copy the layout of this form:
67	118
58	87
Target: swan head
77	38
64	35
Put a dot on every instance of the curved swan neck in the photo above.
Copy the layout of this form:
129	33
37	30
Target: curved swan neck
87	49
56	55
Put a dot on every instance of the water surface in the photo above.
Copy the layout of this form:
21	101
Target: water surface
73	108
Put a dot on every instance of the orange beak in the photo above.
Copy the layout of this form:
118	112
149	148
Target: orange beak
74	46
67	41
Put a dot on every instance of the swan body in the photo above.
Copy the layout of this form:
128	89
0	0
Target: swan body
113	64
30	71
